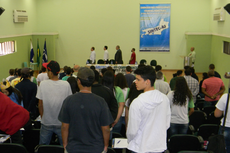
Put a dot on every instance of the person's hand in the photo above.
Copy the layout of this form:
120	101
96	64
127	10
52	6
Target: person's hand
114	123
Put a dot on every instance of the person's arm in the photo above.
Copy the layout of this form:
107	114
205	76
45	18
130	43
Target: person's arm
120	111
126	116
106	135
222	89
40	107
65	133
218	113
205	93
191	110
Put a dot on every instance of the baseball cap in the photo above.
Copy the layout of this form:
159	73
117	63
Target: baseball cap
52	66
26	71
86	74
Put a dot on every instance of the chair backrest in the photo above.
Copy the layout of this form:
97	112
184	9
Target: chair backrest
180	142
207	130
31	139
199	105
193	152
211	119
116	135
197	118
49	149
12	148
100	61
143	61
110	150
25	64
153	63
112	61
208	110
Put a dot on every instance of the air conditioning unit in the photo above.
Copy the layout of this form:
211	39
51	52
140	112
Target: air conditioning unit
219	14
20	16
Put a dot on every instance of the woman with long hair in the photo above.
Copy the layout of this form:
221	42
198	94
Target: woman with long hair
73	84
108	81
12	93
180	102
121	82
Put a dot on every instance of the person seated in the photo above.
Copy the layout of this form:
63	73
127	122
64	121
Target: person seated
212	67
11	72
161	85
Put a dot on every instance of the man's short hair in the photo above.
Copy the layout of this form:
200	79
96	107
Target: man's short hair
118	46
43	69
187	71
211	73
93	67
158	68
19	72
68	70
186	67
128	69
76	67
106	47
179	72
212	66
103	71
133	49
11	71
147	72
86	76
93	48
141	65
159	75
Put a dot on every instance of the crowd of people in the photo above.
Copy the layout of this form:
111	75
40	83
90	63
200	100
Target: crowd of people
83	106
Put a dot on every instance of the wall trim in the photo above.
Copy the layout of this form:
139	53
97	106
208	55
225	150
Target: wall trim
206	33
29	34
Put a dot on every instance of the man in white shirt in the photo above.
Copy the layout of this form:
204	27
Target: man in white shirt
106	55
51	94
149	115
161	85
93	56
192	56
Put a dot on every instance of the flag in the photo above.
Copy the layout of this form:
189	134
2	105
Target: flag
44	56
31	53
38	54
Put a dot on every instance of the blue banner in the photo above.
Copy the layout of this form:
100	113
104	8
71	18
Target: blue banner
155	27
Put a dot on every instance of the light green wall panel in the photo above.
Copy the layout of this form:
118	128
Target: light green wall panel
82	24
202	44
220	59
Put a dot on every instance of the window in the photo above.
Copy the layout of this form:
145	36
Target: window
7	47
226	47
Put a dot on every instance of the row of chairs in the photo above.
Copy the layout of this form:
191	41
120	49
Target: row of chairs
112	61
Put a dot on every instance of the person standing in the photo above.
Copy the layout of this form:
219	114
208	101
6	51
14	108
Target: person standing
51	94
118	56
93	56
192	55
106	55
85	118
149	115
133	57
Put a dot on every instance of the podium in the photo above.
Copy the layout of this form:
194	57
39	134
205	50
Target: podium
187	61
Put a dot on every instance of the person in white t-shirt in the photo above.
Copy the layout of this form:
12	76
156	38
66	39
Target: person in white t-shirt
51	94
93	56
182	105
149	115
42	76
106	55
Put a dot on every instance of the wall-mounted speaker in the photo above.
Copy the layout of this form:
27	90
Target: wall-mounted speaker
227	8
1	10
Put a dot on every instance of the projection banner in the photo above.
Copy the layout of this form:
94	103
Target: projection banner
155	27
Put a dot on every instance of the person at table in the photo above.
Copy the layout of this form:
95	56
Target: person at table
93	56
106	55
133	57
118	56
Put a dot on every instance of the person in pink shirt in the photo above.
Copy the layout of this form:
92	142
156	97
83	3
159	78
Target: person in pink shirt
212	87
133	57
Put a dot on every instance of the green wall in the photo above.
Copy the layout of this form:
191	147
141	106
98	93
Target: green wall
202	44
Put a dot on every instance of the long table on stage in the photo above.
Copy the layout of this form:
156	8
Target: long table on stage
119	68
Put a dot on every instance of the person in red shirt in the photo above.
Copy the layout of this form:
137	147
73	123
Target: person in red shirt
12	117
133	57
